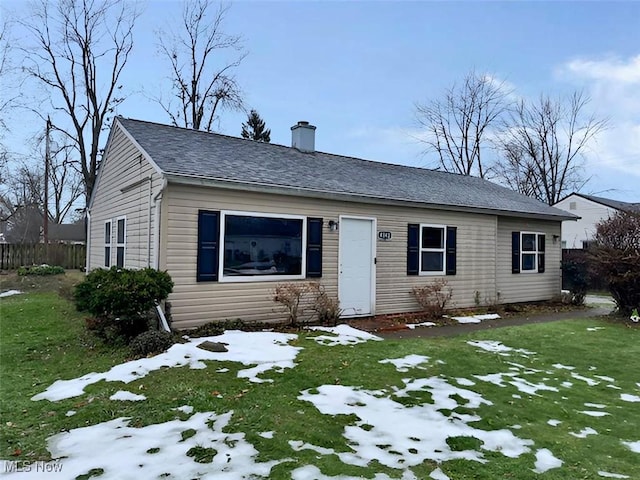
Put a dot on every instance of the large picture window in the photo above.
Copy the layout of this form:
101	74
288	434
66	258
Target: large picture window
263	246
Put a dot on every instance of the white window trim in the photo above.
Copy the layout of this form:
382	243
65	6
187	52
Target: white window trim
259	278
535	252
110	244
122	245
442	250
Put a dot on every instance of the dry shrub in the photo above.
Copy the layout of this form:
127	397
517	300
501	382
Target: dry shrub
433	298
297	298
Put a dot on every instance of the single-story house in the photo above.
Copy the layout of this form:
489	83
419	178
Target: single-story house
591	210
229	218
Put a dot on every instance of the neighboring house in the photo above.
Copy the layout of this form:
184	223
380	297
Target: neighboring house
591	210
228	218
74	233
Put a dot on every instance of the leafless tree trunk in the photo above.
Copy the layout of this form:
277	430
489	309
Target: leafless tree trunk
543	143
81	49
201	71
458	124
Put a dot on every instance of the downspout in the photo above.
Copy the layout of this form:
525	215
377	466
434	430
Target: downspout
149	224
157	204
88	252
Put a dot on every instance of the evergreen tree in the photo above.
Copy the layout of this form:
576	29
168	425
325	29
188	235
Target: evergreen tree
254	128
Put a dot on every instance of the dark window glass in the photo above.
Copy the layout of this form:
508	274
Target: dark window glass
121	226
107	256
432	261
262	246
120	257
528	261
528	242
432	237
107	233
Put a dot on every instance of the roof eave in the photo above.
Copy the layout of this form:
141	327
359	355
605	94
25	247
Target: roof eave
195	180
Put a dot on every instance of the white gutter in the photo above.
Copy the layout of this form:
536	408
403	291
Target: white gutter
149	225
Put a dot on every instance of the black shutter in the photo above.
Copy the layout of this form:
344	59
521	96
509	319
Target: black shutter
541	250
515	255
314	247
451	250
208	238
413	249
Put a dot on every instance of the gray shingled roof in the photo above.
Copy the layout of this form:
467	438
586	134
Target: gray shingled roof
617	204
184	152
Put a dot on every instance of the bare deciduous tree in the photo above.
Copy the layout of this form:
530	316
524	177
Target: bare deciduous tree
81	48
457	125
201	73
543	144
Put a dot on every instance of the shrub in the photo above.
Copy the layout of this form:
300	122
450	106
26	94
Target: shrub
575	272
151	342
122	300
433	298
327	308
288	295
615	255
41	270
213	329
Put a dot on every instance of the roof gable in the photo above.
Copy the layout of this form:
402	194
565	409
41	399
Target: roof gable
616	204
190	153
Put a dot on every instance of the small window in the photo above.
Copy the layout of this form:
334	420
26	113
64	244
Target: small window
532	255
107	243
262	247
572	206
121	237
432	250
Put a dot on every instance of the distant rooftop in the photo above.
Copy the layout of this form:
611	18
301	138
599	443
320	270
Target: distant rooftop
617	204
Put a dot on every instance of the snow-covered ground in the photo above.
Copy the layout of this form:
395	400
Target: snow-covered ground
384	428
9	293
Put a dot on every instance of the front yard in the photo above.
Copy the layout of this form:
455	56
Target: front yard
553	401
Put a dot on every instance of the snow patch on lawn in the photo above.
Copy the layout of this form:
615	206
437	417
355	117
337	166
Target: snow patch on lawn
633	446
589	381
465	382
438	474
554	423
612	475
159	449
405	363
188	409
498	347
343	335
9	293
309	472
595	405
127	396
400	436
476	318
512	378
546	461
592	413
629	398
560	366
269	350
584	433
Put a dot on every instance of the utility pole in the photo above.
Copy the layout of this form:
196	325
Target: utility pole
46	183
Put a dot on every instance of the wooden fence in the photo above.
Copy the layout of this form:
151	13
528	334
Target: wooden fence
13	256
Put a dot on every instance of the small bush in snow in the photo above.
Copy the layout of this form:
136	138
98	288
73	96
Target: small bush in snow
151	342
121	300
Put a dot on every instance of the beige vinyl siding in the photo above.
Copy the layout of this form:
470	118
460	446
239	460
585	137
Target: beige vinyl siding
194	303
123	166
526	287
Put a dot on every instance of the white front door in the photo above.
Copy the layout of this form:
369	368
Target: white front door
356	282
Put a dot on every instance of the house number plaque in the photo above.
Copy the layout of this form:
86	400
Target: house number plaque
384	236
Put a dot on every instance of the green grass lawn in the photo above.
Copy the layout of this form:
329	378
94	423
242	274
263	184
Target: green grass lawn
43	340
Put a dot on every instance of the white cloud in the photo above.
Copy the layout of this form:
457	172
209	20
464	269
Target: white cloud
613	84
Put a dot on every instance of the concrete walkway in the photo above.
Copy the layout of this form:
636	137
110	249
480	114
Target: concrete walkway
451	330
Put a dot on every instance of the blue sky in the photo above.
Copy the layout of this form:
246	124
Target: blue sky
356	70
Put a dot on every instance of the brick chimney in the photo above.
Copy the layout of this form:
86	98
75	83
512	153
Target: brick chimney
303	137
